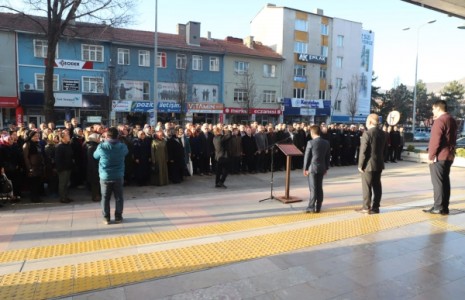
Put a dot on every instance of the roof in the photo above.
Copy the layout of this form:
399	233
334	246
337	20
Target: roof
454	8
105	33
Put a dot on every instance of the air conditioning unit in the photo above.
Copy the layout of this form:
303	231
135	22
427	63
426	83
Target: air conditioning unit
29	87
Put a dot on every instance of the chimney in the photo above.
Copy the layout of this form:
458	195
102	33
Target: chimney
181	29
209	35
193	33
318	11
248	41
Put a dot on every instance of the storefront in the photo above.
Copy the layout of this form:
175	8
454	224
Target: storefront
67	106
238	115
8	110
308	111
140	112
204	112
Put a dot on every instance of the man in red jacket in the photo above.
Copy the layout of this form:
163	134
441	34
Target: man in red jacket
441	153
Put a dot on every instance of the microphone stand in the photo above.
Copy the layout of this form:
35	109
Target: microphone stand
271	197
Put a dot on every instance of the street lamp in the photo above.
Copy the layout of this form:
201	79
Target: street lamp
155	73
414	114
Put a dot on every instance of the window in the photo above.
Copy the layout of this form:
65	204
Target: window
144	58
340	41
322	72
339	60
92	85
324	51
269	96
299	93
301	25
300	70
300	47
181	61
41	47
241	67
146	90
269	70
123	56
40	82
338	83
324	29
92	53
214	64
197	62
322	95
240	95
161	60
337	105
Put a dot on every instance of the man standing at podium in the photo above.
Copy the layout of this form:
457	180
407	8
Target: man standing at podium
316	164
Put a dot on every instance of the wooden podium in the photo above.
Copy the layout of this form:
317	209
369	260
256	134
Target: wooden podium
289	150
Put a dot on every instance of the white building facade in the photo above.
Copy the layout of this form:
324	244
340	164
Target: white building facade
324	59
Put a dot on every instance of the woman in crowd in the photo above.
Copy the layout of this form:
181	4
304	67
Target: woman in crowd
51	175
34	164
176	159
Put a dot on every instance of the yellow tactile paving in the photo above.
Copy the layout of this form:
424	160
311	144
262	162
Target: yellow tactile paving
448	227
67	280
157	237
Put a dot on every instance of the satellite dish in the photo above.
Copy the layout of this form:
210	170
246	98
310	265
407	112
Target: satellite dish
393	118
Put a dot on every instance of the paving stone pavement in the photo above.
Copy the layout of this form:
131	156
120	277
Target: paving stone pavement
423	260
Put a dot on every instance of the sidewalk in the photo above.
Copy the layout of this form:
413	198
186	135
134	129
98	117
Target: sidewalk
254	250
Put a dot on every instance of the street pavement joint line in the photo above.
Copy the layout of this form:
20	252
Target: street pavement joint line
50	251
109	273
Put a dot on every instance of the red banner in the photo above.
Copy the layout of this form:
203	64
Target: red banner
265	111
8	102
19	115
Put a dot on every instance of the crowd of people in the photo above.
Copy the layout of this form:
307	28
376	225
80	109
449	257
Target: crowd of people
49	160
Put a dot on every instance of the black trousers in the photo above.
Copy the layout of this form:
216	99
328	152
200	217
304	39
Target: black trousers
440	171
372	189
222	169
315	185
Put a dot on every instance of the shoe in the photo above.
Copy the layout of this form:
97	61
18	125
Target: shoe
428	210
118	219
65	200
362	210
436	212
373	211
218	185
223	186
309	210
106	220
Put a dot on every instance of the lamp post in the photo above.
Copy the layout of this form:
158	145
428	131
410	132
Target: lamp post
155	72
414	114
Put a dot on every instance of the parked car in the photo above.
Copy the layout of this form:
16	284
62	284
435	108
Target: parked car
460	143
421	136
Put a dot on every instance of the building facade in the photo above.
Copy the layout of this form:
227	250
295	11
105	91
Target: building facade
322	57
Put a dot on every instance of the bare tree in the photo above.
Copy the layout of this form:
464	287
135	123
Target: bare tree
60	16
248	88
353	88
182	78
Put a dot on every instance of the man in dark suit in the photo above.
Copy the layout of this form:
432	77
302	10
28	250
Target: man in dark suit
441	154
316	164
371	165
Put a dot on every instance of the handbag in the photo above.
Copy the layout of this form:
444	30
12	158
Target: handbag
190	168
6	186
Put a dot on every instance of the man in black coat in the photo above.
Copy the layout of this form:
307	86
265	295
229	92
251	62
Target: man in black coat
64	163
316	164
371	164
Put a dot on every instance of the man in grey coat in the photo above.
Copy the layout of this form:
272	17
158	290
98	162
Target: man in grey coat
371	164
316	164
